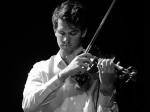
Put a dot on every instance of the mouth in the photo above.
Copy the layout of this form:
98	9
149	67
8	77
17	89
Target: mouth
66	45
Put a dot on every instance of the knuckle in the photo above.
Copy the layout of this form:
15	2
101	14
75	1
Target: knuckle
104	61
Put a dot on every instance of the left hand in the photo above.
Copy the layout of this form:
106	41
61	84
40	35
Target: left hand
107	74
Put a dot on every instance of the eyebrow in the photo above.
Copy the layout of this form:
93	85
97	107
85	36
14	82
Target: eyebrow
74	30
70	31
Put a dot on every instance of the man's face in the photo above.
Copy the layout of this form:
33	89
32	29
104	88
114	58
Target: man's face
68	38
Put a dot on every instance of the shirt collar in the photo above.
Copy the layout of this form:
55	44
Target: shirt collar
58	60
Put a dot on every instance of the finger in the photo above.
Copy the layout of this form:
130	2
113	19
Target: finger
118	63
99	65
83	65
109	67
107	62
112	66
113	58
85	60
104	65
86	55
99	61
111	62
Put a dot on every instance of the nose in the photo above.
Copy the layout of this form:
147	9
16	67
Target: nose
66	39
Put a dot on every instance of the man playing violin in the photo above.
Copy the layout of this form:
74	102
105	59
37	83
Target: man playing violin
50	86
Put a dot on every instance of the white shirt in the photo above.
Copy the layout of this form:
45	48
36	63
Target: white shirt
44	92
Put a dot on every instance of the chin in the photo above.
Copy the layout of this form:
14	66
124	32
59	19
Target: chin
67	50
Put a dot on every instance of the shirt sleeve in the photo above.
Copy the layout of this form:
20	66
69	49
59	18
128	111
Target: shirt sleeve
36	90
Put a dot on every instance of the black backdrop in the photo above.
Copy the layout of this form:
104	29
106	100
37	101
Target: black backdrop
29	38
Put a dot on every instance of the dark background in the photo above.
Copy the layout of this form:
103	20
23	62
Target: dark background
29	38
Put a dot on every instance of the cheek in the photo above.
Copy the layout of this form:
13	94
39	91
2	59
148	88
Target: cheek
59	38
76	39
59	41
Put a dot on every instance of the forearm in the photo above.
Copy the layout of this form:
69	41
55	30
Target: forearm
38	97
105	101
106	90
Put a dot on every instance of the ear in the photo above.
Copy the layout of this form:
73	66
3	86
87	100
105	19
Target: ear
84	33
55	32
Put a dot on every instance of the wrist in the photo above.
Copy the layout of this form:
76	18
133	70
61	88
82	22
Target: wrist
62	76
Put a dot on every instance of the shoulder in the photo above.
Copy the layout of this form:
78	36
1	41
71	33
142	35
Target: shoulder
43	65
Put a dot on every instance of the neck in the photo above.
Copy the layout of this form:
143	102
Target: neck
64	55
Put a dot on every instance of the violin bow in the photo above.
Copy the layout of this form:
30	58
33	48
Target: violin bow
99	28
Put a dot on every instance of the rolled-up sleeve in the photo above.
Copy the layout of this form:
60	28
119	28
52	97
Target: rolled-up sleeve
36	90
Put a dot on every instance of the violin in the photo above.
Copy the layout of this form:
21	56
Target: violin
121	72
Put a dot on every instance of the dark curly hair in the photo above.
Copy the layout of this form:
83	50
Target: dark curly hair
72	12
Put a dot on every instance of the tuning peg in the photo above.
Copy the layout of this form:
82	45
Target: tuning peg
127	80
121	77
134	71
118	63
129	68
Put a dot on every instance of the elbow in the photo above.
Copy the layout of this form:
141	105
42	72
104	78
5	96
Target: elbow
26	106
28	103
26	110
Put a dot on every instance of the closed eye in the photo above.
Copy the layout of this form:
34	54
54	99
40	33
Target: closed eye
73	33
62	33
70	33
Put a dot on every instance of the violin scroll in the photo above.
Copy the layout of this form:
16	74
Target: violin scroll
131	75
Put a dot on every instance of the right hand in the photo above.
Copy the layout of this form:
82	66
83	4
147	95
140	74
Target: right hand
79	64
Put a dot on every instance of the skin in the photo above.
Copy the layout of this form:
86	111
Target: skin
68	38
107	75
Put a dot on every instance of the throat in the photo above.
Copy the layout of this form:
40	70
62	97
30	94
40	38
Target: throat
64	56
66	61
67	57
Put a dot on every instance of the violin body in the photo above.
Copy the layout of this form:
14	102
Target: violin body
93	72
